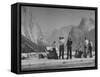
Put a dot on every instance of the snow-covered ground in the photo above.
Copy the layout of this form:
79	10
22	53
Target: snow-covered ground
38	64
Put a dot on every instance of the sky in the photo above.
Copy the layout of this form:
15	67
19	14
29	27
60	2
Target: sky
49	19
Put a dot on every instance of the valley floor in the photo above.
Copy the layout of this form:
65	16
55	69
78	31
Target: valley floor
40	64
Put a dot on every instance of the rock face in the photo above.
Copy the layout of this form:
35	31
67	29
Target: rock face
32	31
62	32
28	46
30	27
86	28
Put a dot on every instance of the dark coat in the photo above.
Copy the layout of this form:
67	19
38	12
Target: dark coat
69	43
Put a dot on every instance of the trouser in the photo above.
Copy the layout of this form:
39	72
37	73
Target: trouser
69	53
61	53
85	52
90	52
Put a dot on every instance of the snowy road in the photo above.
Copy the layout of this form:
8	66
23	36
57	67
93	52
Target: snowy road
36	64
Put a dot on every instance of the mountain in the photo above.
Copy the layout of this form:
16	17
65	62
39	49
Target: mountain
86	28
31	30
30	27
29	46
56	33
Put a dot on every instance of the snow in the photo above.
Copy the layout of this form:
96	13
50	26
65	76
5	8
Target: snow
37	64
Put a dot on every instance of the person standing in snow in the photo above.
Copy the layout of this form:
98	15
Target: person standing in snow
85	47
61	47
69	48
90	45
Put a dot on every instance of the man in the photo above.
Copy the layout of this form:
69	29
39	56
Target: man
69	48
90	44
55	50
61	47
85	47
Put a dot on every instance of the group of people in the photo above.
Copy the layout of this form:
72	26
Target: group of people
88	45
88	48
